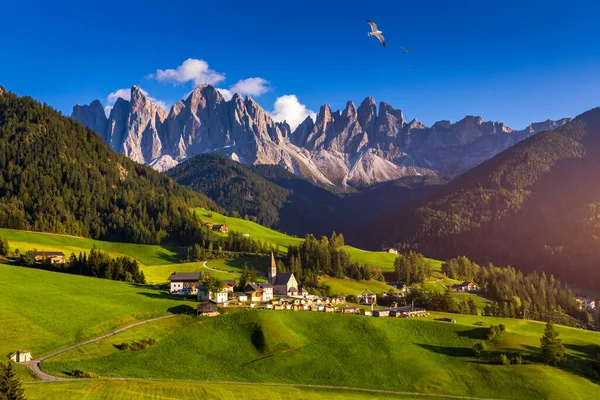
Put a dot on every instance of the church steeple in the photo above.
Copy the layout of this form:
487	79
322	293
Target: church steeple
272	273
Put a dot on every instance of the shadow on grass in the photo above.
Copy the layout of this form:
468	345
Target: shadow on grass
475	333
172	258
448	351
181	309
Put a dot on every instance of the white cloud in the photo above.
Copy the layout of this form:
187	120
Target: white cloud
288	108
250	86
191	70
125	94
227	95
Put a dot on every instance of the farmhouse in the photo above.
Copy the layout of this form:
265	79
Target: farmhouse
229	285
219	297
207	309
20	356
241	297
348	310
382	312
259	291
464	287
368	298
184	282
53	257
221	228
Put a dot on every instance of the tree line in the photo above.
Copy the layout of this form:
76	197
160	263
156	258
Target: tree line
325	256
97	264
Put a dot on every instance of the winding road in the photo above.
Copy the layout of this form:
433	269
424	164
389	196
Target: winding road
34	365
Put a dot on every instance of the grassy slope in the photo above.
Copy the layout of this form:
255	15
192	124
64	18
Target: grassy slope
43	311
146	389
350	286
145	254
316	348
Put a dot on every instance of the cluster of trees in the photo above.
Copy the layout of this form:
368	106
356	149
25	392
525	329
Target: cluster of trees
467	307
460	268
57	176
4	247
209	245
432	299
531	296
248	276
11	387
412	268
97	264
325	256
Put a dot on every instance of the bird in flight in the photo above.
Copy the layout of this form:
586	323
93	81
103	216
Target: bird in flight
404	51
376	32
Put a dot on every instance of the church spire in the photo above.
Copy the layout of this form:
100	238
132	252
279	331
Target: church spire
272	273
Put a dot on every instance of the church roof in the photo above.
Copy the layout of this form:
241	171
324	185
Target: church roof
283	279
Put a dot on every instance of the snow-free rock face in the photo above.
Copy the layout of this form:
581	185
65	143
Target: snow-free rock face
92	116
355	146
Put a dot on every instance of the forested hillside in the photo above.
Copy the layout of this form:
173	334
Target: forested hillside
535	206
279	199
57	176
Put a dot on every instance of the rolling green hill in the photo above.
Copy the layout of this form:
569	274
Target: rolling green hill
419	355
44	311
534	206
57	176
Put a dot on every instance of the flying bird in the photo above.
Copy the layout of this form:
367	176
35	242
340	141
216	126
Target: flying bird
376	32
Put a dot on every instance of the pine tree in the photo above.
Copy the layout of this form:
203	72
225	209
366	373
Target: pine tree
553	351
10	384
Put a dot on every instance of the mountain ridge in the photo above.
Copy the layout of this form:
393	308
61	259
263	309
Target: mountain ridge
356	146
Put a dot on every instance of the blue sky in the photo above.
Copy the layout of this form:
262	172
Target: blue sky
504	60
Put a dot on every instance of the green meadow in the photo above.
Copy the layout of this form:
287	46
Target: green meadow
350	286
144	254
153	389
42	311
413	355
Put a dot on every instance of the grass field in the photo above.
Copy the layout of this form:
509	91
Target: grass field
349	286
152	389
145	254
43	311
253	229
420	355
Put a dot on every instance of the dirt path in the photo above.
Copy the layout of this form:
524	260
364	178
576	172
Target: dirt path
34	365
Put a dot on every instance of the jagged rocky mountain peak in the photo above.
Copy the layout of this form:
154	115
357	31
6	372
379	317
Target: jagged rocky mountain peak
353	146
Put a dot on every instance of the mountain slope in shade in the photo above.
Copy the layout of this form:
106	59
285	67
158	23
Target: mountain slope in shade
282	200
534	206
353	147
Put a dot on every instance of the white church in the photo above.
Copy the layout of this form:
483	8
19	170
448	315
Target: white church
284	284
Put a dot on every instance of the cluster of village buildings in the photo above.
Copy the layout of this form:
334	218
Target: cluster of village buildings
281	292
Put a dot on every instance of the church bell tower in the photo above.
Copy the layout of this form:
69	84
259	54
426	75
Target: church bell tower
272	273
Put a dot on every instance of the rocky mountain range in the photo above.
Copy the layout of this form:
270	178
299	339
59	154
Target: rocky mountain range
354	147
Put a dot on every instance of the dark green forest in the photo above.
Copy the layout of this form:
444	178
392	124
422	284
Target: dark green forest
233	186
57	176
535	206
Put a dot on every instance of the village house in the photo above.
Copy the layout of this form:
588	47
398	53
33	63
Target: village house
464	287
368	298
382	312
220	297
259	292
53	257
221	228
209	225
207	309
20	356
408	312
229	285
184	282
241	297
348	310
